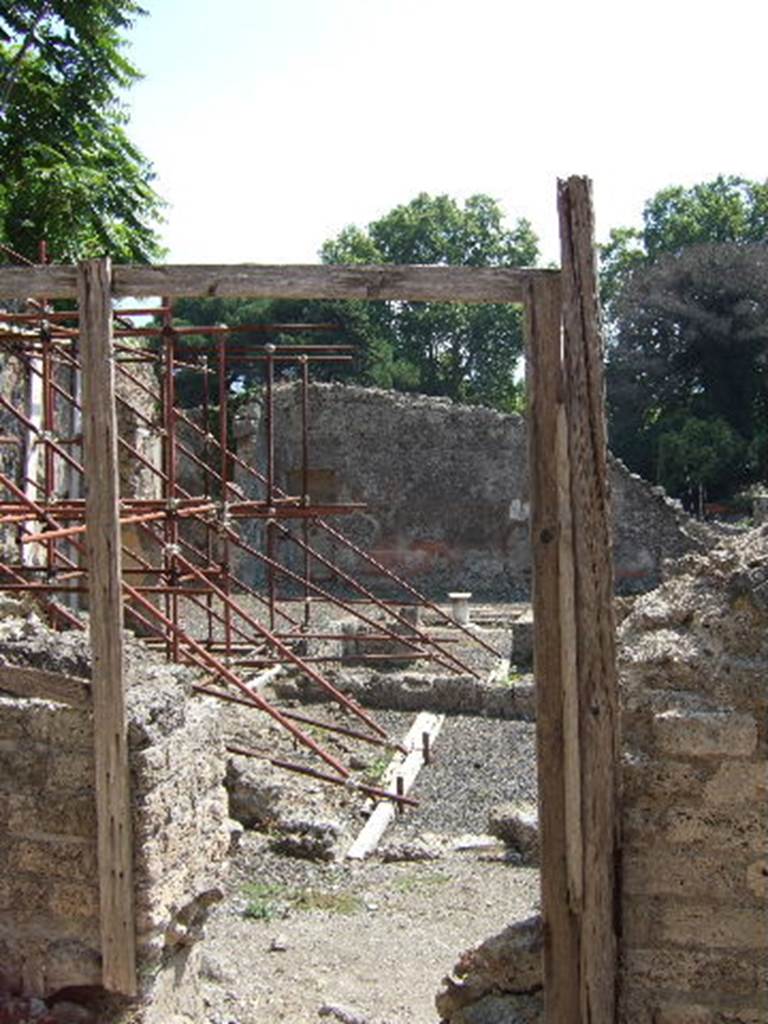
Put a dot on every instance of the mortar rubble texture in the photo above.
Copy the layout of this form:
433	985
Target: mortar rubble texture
49	899
446	488
694	677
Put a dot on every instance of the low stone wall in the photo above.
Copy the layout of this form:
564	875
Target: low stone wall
446	490
49	928
49	899
694	664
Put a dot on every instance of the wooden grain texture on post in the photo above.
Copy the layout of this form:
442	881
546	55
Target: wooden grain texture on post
113	803
553	644
595	628
307	281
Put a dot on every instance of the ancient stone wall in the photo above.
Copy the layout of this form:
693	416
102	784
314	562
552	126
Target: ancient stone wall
49	900
446	489
694	669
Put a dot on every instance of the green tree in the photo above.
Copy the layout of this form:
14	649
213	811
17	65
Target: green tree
699	456
68	171
243	374
467	352
690	346
728	209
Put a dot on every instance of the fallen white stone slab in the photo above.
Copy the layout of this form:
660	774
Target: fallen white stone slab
405	767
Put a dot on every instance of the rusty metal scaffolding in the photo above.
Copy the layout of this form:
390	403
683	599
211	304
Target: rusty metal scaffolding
184	546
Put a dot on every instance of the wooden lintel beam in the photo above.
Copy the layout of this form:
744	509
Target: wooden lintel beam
310	281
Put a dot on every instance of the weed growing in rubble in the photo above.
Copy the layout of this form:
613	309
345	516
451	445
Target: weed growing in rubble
375	770
333	902
267	901
262	902
415	880
513	678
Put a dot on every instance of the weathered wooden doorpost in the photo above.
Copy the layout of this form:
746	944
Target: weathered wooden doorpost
574	648
113	797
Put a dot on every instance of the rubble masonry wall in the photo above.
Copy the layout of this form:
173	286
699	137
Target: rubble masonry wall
49	901
694	669
446	489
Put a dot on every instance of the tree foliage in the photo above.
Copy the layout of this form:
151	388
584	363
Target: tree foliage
700	454
244	375
688	367
467	352
728	209
68	171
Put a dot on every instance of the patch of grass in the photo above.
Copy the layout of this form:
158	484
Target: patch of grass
263	900
267	901
420	879
375	770
333	902
513	678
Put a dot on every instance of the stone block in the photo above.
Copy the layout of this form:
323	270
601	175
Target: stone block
72	962
150	766
72	729
690	971
757	879
675	1013
636	1004
71	771
752	1014
723	829
660	870
687	733
54	858
715	927
497	1009
23	767
510	961
155	712
74	900
15	718
738	782
731	830
72	815
649	779
17	810
517	825
22	896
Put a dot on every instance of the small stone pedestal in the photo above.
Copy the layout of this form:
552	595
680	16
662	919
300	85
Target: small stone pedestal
460	606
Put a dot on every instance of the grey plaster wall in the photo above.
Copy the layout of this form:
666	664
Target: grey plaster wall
446	489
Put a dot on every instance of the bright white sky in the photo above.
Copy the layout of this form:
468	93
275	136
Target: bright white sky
272	124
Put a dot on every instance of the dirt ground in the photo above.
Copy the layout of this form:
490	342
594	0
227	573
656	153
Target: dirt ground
373	939
368	942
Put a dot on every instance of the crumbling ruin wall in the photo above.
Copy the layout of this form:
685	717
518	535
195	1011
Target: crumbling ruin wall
694	671
446	489
49	899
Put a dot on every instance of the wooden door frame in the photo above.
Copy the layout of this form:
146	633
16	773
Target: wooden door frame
574	655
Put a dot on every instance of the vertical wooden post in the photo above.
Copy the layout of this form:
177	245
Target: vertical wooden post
574	653
554	644
593	578
113	803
